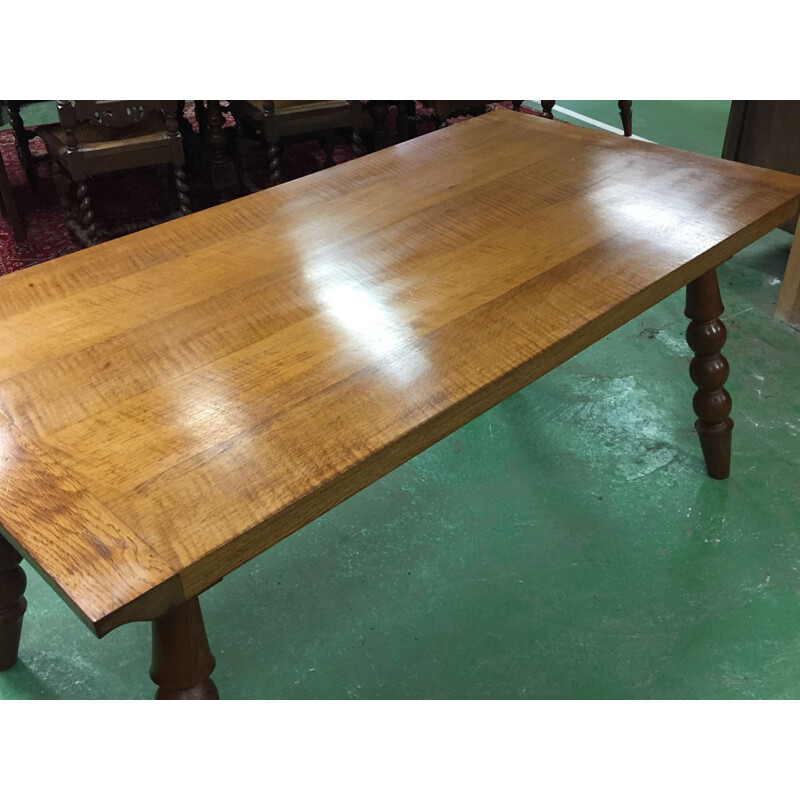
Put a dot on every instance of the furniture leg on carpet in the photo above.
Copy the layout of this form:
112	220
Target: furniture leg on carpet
8	205
21	138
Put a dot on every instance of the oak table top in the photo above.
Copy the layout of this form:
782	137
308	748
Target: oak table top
175	402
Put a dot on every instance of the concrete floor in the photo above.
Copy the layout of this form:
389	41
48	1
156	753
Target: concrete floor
566	544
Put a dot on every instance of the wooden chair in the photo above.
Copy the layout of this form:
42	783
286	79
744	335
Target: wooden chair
276	120
8	208
444	109
99	136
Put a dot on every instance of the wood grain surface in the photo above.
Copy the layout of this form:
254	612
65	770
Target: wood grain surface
179	400
789	299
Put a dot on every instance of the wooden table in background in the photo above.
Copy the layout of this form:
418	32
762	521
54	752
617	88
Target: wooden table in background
177	401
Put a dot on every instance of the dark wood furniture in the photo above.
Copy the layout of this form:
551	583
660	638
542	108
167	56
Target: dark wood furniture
22	137
216	161
99	136
444	109
8	206
406	122
277	120
625	113
175	402
767	133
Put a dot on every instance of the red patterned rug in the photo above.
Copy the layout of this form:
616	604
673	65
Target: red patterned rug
137	196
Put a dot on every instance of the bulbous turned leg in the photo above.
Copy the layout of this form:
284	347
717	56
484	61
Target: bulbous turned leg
626	115
709	370
12	603
182	661
547	108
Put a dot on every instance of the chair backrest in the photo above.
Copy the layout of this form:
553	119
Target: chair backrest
113	114
109	113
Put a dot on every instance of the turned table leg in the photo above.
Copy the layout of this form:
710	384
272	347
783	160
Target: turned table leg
12	603
182	661
626	115
547	108
709	370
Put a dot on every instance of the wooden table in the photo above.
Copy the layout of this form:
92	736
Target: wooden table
177	401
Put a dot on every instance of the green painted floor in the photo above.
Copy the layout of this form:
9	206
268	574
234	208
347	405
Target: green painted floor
43	112
566	544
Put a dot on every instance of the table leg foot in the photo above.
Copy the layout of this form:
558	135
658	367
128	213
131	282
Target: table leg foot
709	369
12	603
182	661
626	115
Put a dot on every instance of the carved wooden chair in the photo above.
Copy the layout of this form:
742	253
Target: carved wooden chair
276	120
444	109
8	208
99	136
